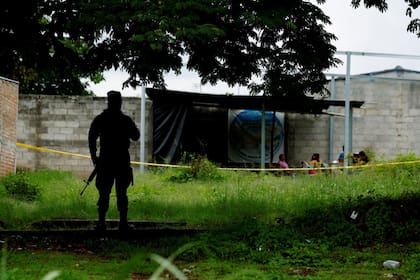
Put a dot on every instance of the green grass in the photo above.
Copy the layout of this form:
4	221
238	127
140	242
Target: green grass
268	227
236	197
304	263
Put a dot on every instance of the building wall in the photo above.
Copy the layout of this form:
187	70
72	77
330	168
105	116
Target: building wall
306	134
387	124
62	123
8	115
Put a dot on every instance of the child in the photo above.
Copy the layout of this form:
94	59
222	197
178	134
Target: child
314	163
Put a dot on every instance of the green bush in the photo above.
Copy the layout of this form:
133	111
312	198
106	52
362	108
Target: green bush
200	168
18	186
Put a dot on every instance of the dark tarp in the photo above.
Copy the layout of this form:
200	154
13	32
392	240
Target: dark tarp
168	125
179	128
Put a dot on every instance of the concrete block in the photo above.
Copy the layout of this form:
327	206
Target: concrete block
58	137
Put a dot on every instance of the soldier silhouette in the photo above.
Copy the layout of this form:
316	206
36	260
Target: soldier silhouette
114	130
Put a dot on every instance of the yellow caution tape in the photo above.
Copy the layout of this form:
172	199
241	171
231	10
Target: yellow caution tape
41	149
159	164
47	150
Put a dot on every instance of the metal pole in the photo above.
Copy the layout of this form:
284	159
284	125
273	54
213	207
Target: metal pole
332	96
262	162
391	55
347	139
142	128
351	129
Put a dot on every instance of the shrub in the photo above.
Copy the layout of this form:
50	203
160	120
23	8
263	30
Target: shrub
18	186
200	168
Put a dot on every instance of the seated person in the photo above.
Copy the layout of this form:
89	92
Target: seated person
362	158
315	162
283	164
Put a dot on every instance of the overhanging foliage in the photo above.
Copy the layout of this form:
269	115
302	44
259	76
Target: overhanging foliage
49	45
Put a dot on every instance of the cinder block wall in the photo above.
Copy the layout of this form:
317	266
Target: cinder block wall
62	123
388	122
306	134
8	116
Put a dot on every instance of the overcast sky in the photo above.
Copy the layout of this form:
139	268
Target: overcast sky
360	30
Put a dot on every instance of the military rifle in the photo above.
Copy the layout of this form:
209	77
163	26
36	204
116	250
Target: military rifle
89	180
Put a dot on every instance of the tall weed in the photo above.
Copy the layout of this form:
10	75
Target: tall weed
199	168
19	187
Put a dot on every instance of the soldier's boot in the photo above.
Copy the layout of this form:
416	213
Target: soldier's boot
101	225
123	225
